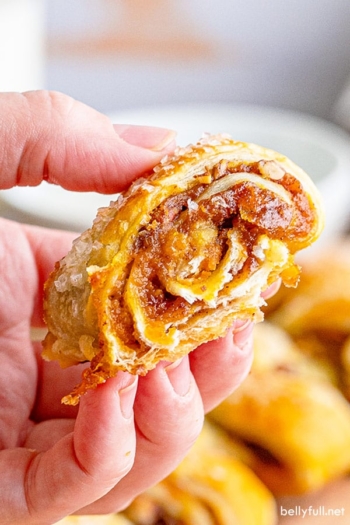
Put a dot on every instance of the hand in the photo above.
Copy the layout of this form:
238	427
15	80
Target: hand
128	433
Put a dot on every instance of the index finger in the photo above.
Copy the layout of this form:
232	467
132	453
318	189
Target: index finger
50	136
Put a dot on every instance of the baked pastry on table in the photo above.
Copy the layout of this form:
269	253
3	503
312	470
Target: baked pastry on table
317	314
178	257
291	415
322	301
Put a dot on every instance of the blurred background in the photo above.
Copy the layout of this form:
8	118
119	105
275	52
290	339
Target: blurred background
134	53
274	72
131	53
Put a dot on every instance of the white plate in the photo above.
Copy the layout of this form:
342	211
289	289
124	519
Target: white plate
321	148
52	206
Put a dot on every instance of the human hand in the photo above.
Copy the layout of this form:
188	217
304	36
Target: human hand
130	432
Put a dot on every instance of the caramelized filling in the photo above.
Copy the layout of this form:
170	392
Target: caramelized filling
190	237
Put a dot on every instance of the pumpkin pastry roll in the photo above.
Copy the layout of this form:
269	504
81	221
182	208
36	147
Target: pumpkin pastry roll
291	416
322	301
178	257
317	314
275	349
211	486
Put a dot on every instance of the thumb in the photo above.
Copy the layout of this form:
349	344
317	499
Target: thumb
50	136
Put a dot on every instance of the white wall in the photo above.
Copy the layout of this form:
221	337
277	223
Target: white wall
22	44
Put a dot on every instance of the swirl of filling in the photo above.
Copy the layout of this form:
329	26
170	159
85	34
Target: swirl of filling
178	257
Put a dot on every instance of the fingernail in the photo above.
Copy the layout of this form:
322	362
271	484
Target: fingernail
179	375
242	338
148	137
271	290
127	397
240	325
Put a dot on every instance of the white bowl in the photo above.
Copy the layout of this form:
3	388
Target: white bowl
322	149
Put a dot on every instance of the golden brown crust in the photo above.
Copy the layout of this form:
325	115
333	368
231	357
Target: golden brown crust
316	315
322	301
211	485
178	257
292	416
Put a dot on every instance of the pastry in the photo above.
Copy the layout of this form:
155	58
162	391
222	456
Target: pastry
211	486
316	315
290	415
177	258
322	302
